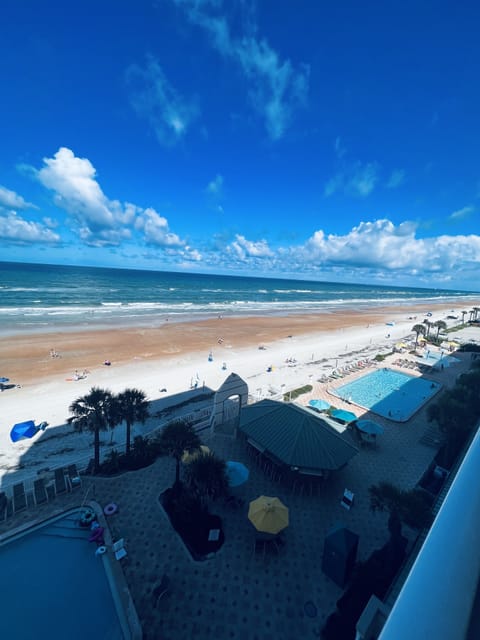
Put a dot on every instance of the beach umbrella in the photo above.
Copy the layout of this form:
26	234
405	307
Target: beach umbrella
343	416
319	405
188	457
26	429
268	515
237	473
370	427
4	379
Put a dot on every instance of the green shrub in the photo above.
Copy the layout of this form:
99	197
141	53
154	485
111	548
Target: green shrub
297	392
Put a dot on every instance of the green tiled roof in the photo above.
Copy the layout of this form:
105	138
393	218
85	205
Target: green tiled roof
295	435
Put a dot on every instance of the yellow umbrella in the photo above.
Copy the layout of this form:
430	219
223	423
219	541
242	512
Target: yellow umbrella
268	515
452	343
401	345
422	339
188	457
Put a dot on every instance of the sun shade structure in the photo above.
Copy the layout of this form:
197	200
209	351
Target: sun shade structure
319	405
295	436
344	416
2	379
268	515
26	429
237	473
368	426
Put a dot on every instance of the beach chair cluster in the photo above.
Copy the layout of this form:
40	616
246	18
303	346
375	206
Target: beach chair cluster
65	480
412	364
346	370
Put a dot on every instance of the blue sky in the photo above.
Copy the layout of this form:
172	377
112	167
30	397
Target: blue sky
327	141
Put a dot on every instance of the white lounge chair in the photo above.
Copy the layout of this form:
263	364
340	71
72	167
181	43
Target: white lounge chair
119	549
347	499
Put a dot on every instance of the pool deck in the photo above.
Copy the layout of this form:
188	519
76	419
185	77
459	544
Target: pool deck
237	594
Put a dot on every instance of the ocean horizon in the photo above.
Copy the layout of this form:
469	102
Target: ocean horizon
44	298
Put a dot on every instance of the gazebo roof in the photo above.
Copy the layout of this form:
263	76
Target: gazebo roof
296	436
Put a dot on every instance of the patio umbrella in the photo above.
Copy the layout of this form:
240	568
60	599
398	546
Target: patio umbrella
268	515
343	416
4	379
368	426
188	457
319	405
237	473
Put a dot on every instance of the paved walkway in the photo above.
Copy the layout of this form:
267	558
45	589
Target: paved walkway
238	594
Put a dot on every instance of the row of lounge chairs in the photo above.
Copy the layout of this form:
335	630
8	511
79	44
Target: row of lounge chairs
347	370
65	480
412	364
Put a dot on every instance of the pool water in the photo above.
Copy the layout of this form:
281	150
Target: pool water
388	393
54	586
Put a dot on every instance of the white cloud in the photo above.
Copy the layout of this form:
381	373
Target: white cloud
380	246
396	178
99	221
356	179
215	186
277	89
20	231
154	98
460	214
12	200
244	248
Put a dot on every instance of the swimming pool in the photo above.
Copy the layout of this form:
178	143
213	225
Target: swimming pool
54	586
388	393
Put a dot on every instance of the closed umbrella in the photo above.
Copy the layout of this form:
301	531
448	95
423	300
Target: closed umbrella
368	426
237	473
268	515
343	416
188	457
319	405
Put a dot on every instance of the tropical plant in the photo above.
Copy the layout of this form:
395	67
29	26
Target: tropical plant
428	326
464	313
411	507
175	439
132	406
476	310
440	325
95	412
206	476
418	329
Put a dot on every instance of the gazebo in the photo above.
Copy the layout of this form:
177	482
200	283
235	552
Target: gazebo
295	437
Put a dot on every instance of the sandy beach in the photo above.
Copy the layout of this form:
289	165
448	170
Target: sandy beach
298	350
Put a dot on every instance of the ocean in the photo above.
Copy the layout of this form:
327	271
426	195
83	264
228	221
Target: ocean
42	298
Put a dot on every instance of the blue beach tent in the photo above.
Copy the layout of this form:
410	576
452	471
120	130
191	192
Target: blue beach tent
26	429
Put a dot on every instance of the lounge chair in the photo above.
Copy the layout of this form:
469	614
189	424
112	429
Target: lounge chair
19	497
40	491
347	500
60	482
74	477
119	549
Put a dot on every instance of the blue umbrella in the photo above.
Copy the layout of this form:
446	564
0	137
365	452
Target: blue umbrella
237	473
4	379
367	426
343	416
319	405
26	429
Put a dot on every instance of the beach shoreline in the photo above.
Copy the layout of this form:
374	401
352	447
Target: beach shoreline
274	355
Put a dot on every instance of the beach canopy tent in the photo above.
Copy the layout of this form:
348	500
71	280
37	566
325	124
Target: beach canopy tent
343	416
295	436
339	554
319	405
370	427
26	429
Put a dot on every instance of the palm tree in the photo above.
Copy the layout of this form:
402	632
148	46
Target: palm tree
471	314
440	324
428	326
132	406
206	475
464	313
412	507
476	310
95	412
418	329
176	439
